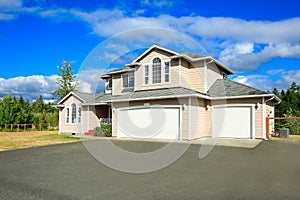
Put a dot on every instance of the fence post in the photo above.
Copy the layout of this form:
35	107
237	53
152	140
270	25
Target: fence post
18	126
11	127
25	127
267	128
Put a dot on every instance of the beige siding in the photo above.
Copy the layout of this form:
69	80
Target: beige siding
139	74
213	73
192	76
69	127
154	53
117	85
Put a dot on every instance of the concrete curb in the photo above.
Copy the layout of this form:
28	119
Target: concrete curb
228	142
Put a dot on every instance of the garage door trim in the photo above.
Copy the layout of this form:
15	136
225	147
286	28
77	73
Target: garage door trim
179	107
252	106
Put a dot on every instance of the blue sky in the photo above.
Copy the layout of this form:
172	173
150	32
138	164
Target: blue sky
259	40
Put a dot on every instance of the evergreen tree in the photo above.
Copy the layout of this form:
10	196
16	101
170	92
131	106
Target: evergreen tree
66	82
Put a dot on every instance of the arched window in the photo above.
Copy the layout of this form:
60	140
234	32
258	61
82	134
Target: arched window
73	113
156	70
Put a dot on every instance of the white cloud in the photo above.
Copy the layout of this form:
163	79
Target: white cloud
30	87
157	3
266	82
89	80
10	5
5	17
242	57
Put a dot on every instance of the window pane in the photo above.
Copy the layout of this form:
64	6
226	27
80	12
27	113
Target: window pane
109	85
167	71
125	80
156	70
73	118
146	74
68	115
79	115
131	80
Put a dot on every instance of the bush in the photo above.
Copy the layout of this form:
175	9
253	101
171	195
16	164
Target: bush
103	131
98	132
107	129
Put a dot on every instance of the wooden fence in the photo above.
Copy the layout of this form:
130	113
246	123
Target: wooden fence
27	127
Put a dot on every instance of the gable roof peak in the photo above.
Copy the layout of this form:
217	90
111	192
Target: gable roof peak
154	46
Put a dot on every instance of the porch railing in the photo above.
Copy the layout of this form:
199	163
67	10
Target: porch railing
105	120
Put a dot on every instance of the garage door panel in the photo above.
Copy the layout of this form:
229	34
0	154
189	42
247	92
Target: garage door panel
235	122
153	122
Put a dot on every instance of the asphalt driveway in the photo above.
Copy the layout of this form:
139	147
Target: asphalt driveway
269	171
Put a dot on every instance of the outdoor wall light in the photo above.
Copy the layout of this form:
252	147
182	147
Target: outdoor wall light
208	107
258	106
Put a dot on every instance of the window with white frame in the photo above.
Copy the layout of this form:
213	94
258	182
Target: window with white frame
109	83
167	71
146	74
128	80
73	114
79	115
156	70
68	115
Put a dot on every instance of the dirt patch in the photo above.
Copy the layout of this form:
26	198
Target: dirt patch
21	140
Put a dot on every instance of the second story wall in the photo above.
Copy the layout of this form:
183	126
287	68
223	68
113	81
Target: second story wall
213	73
173	74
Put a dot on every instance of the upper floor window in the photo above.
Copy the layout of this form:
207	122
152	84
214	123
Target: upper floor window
128	80
157	72
146	74
167	71
109	83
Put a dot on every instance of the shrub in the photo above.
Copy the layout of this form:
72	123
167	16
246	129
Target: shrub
107	129
103	131
98	132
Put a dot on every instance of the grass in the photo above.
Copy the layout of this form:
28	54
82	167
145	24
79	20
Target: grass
21	140
291	138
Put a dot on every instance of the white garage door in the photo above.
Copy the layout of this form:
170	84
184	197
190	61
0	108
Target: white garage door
234	122
149	122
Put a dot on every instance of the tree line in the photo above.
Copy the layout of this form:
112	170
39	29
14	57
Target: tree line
288	107
17	110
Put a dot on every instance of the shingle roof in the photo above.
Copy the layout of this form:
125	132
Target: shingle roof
156	94
93	98
224	87
192	55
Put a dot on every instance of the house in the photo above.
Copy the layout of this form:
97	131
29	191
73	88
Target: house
165	94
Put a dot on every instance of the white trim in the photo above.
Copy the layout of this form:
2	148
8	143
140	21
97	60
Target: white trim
135	79
59	120
180	72
162	97
253	133
67	96
205	76
245	96
150	49
263	118
190	120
